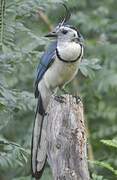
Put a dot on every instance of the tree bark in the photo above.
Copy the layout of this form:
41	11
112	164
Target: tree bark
66	137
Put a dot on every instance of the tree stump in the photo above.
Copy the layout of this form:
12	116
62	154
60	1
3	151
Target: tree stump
66	139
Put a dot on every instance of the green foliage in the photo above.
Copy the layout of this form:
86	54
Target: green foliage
22	43
87	67
105	165
112	143
97	177
12	155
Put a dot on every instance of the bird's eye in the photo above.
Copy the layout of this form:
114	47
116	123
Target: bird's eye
64	31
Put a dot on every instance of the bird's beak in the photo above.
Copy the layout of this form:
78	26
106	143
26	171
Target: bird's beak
51	34
81	39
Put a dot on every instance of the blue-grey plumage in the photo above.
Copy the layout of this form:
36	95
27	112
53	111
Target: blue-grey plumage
58	66
46	61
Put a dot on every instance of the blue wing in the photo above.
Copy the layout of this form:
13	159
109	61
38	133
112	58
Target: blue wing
46	60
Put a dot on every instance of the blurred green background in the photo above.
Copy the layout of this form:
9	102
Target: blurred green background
23	24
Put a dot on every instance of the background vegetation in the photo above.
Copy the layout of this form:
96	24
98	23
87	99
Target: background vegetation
23	24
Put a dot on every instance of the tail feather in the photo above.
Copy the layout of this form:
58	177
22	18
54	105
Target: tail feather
39	143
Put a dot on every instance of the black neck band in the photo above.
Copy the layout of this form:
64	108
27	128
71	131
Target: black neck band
61	59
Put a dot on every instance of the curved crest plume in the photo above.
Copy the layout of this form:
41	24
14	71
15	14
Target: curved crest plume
67	15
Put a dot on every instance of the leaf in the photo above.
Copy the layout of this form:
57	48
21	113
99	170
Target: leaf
97	177
104	165
87	67
112	142
12	155
84	70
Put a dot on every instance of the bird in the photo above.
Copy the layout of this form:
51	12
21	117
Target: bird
58	66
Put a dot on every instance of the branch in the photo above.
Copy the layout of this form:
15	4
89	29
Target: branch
45	19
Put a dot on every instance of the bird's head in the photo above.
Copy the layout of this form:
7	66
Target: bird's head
64	32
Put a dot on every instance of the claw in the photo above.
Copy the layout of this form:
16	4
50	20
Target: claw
60	99
78	99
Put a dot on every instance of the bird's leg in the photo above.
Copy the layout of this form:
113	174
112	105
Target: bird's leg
59	98
64	91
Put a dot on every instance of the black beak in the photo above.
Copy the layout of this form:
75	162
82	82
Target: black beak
51	34
81	39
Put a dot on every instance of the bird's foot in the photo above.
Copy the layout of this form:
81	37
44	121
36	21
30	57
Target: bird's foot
78	99
60	99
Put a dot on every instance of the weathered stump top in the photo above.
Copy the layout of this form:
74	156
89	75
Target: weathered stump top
66	137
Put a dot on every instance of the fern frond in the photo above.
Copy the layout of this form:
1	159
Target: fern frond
105	165
112	143
2	13
12	155
97	177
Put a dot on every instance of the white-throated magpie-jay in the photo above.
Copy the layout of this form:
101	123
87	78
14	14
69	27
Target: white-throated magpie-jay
58	66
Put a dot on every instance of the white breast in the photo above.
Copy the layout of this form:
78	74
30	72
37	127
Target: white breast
69	51
60	73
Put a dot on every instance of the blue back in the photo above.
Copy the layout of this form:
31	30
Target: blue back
46	60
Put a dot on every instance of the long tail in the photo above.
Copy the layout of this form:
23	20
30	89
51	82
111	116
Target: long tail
39	143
